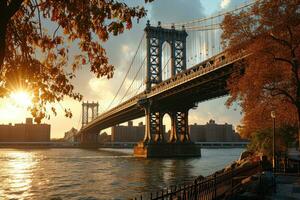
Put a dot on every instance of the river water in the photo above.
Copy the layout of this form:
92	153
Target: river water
98	174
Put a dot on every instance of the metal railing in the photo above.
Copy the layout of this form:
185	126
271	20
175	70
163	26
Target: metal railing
286	164
216	186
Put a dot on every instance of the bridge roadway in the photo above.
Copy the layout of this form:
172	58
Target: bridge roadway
204	81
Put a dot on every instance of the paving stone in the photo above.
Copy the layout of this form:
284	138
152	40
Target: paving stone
296	189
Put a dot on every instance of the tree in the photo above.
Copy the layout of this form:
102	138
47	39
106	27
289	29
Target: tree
269	34
261	140
36	59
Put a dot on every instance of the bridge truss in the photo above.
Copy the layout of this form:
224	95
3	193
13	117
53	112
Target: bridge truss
195	53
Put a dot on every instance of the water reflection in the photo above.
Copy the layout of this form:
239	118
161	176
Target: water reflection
97	174
17	174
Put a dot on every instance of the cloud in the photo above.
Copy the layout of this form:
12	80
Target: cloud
169	11
224	3
125	48
103	91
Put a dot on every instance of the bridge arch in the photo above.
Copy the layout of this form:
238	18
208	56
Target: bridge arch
167	126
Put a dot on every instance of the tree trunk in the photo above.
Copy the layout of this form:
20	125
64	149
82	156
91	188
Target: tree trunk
2	41
298	110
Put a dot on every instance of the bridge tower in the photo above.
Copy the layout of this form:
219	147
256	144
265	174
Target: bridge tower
87	109
156	36
89	112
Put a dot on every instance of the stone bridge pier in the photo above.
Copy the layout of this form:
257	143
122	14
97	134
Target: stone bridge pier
154	126
88	140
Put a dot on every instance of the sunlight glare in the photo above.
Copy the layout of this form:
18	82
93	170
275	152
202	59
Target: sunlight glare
21	99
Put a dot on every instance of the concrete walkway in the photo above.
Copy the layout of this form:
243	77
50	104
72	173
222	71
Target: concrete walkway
294	153
288	188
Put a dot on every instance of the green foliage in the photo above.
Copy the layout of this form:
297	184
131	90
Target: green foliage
262	141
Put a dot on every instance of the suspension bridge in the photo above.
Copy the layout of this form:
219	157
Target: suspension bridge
175	67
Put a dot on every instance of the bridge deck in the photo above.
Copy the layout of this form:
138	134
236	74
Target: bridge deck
202	82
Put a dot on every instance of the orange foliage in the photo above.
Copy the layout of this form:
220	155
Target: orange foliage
269	32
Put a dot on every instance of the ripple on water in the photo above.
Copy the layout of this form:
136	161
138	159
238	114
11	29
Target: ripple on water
97	174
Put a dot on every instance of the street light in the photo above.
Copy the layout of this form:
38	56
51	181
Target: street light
273	158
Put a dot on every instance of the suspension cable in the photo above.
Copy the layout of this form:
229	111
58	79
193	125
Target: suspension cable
213	16
123	81
133	79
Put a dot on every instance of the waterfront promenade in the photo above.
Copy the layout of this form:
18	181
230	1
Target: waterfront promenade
288	188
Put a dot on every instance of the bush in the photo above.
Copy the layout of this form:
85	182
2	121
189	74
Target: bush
261	142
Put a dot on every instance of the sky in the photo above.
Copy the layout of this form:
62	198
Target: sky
120	50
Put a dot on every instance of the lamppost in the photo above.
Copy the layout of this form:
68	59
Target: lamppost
273	158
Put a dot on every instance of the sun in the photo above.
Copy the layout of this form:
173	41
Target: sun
21	99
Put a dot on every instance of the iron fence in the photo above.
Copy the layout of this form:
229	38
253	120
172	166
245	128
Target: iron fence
286	164
216	186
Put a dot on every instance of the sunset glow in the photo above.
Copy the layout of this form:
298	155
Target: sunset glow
21	99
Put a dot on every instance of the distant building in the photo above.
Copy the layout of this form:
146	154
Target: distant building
27	132
212	132
70	135
128	133
104	137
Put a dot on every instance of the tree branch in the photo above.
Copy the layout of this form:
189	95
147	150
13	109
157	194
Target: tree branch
291	33
277	58
13	7
281	41
283	60
281	92
39	18
54	33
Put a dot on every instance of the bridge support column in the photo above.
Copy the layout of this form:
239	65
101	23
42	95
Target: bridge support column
88	140
159	131
179	144
153	129
180	126
148	126
173	137
183	126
